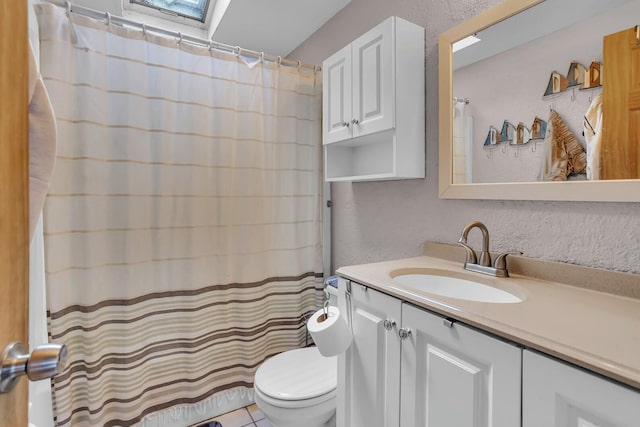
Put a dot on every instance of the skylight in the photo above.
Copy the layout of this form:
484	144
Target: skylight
194	9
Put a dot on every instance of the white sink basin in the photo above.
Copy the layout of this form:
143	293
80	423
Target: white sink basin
454	287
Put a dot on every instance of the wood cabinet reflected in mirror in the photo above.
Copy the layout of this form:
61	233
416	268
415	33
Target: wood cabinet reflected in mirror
536	70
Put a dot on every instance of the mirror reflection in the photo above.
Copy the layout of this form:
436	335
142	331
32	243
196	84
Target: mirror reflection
550	94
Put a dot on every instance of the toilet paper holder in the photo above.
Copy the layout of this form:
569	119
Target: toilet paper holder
325	312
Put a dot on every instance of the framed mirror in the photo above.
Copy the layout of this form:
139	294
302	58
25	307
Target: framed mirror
531	106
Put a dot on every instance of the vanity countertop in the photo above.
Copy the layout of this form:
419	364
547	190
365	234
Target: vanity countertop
596	330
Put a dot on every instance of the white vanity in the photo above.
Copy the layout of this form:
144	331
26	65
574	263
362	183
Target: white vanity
561	357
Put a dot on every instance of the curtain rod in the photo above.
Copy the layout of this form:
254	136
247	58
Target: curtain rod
198	41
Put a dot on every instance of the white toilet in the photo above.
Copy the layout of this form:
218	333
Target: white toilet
298	387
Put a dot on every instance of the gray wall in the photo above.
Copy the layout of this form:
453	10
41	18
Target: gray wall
376	221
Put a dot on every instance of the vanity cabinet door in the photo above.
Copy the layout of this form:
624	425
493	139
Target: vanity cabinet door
373	80
555	394
336	97
453	375
369	371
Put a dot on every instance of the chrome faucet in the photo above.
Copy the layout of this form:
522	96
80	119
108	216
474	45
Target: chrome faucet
499	268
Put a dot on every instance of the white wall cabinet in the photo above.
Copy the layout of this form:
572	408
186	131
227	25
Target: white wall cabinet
369	371
456	376
555	394
373	105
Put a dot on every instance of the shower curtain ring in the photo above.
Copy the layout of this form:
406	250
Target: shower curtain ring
144	31
179	38
67	5
238	50
299	65
108	19
279	60
261	56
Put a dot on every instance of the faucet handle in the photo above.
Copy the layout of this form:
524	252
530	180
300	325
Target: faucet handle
501	260
471	255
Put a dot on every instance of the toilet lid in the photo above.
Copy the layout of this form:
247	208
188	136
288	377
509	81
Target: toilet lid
297	374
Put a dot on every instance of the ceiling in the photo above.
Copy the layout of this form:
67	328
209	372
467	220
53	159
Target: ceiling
275	27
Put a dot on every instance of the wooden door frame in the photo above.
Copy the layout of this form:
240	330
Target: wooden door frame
14	195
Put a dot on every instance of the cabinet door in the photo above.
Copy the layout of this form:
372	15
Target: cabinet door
373	80
370	368
336	96
555	394
456	376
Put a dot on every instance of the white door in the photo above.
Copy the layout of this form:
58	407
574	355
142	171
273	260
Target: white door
373	80
555	394
455	376
336	97
370	368
14	197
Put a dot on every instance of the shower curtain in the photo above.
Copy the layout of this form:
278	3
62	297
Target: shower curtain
183	226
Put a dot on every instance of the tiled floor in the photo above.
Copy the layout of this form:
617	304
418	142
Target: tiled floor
250	416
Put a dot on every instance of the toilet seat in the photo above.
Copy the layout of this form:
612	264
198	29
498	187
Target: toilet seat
297	378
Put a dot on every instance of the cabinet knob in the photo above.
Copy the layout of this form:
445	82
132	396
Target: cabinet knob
345	124
404	333
389	324
355	121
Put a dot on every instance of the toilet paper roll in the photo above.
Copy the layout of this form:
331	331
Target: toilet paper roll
330	333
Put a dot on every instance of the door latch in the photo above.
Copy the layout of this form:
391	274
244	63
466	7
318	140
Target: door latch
46	361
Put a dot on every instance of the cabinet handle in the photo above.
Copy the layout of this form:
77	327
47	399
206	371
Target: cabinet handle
404	333
355	121
389	324
345	124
